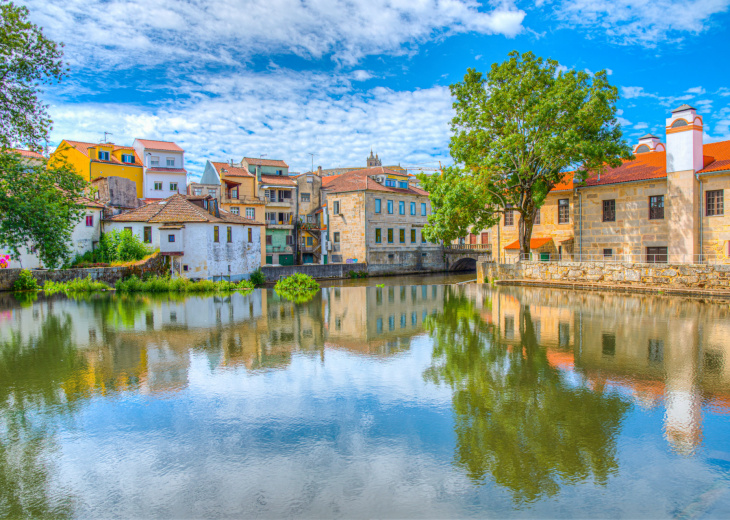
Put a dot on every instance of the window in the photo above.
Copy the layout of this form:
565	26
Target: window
127	158
173	186
103	155
272	195
643	149
714	203
234	193
536	222
235	210
212	192
170	237
229	234
377	205
305	197
423	209
310	241
147	235
563	211
609	210
337	237
656	255
251	213
413	208
608	253
423	239
509	217
250	235
197	191
403	185
390	235
170	162
154	161
185	268
390	183
413	236
290	240
378	236
280	172
402	236
269	240
390	207
679	122
271	218
158	186
656	207
216	237
284	194
89	220
401	207
336	207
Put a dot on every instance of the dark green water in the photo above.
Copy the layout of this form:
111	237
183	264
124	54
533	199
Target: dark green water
416	400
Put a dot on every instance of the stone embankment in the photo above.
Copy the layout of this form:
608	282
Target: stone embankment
679	278
156	264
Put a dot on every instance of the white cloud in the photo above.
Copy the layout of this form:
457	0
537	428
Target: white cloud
646	22
641	126
634	92
280	113
131	33
696	90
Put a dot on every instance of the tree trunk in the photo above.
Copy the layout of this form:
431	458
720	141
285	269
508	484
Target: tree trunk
527	220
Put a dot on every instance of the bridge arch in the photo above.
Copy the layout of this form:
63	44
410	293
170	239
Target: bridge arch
464	264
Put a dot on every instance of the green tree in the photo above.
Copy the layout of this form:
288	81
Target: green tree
515	134
27	60
39	207
517	418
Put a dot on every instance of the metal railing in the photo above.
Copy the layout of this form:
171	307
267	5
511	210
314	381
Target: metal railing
279	249
468	247
622	258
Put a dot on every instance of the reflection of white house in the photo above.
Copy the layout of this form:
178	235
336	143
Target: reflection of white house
204	241
164	168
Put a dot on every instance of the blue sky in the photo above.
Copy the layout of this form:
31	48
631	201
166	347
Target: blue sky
285	78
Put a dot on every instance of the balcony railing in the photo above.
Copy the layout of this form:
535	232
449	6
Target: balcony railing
279	222
279	249
486	248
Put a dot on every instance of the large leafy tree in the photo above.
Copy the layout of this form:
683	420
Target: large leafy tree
515	134
27	60
39	206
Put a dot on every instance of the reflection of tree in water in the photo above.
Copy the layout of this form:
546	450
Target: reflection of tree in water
32	372
517	417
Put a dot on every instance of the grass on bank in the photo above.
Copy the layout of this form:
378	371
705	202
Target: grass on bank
78	285
157	284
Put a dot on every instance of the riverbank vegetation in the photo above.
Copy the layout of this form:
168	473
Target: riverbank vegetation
115	247
77	285
298	287
158	284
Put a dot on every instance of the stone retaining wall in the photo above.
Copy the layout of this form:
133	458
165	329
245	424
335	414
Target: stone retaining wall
660	275
318	271
157	264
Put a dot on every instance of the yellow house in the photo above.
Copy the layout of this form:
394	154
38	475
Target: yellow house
93	160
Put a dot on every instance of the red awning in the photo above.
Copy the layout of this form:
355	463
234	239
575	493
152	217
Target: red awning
534	243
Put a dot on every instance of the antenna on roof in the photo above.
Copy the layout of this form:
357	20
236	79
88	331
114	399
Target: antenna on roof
312	154
106	134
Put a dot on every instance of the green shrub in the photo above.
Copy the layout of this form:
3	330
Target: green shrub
160	284
114	246
78	285
25	282
358	274
258	277
298	287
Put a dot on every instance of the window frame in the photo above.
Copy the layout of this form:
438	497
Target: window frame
216	234
718	203
536	222
655	255
402	235
250	235
229	235
103	155
390	207
609	213
89	220
173	186
336	237
155	184
251	216
563	211
413	208
147	235
390	236
378	206
235	210
171	237
401	207
655	210
509	217
413	236
378	236
336	207
305	197
169	160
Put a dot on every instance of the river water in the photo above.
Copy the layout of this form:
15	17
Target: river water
422	398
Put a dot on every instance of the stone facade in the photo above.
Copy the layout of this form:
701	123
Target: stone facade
658	275
715	230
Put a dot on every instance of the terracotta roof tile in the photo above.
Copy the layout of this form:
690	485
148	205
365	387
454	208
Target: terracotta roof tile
265	162
230	171
27	153
360	180
720	155
162	169
277	180
646	166
534	243
178	209
166	146
565	184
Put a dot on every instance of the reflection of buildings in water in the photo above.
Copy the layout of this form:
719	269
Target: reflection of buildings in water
660	349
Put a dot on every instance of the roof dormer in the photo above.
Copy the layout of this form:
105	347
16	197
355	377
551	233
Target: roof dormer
649	143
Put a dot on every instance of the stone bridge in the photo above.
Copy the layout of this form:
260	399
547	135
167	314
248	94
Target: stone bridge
464	257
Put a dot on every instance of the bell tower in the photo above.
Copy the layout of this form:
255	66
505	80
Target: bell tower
373	161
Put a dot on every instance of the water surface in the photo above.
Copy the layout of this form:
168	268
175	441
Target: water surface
420	400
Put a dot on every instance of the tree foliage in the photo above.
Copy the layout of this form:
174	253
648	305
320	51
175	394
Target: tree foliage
515	134
27	60
39	207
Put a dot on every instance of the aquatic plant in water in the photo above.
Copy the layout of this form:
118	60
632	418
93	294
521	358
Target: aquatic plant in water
299	287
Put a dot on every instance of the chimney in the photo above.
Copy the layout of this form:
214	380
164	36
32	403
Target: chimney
684	140
649	143
319	171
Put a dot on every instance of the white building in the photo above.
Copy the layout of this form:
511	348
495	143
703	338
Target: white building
204	241
84	238
164	168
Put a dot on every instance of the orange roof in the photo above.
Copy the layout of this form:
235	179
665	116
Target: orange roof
720	157
326	181
26	153
565	184
178	209
165	146
265	162
230	171
277	180
534	243
84	149
646	166
360	180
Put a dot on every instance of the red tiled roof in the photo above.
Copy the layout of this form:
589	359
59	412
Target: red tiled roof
178	209
327	180
162	169
26	153
359	180
277	180
646	166
265	162
230	171
720	155
565	184
84	149
87	202
166	146
534	243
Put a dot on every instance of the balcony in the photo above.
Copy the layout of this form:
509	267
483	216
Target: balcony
243	199
482	248
285	221
279	249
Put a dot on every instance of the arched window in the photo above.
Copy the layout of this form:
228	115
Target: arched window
678	123
642	149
